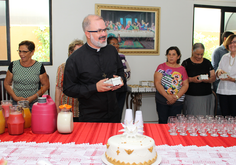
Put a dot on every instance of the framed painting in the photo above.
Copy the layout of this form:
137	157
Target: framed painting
136	27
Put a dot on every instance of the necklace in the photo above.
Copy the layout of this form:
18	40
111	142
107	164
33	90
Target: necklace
230	61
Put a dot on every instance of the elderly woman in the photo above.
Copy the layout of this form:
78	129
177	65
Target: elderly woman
227	85
60	97
199	99
171	81
25	75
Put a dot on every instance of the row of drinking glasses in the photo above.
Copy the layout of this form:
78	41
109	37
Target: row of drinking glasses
199	124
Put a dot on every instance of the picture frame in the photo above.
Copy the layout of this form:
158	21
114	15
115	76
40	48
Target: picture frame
136	27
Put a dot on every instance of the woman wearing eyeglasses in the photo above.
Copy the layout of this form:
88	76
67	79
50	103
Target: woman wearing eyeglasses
226	72
25	75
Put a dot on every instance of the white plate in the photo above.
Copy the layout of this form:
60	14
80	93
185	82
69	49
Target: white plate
104	159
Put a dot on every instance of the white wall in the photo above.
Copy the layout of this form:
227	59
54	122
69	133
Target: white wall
175	29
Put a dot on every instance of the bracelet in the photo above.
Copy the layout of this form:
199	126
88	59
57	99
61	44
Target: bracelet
37	94
177	97
41	90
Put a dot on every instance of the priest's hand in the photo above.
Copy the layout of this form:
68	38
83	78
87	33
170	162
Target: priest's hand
103	87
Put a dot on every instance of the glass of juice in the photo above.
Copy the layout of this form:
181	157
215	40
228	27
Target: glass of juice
2	121
6	112
26	112
15	121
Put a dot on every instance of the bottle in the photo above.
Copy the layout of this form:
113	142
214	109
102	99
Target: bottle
6	109
15	121
65	119
2	121
44	116
26	112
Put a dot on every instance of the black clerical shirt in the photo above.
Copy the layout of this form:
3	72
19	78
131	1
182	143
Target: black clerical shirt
84	68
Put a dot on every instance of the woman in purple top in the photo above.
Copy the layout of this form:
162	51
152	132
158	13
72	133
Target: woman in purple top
171	81
120	93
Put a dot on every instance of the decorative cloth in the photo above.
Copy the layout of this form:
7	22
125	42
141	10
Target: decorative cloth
84	154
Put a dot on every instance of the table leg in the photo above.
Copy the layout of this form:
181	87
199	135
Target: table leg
137	101
127	100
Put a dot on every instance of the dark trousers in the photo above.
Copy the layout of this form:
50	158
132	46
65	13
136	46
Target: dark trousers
164	111
215	86
228	105
120	96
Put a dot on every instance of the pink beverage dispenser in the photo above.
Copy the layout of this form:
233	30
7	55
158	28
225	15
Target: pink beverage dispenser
44	116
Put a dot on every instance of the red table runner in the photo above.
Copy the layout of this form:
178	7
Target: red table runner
94	133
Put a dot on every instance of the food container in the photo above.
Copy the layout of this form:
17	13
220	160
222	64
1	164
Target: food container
44	116
65	119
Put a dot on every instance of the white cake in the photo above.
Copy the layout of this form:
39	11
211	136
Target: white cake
131	149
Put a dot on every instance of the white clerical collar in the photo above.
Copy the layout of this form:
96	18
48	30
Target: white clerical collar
94	48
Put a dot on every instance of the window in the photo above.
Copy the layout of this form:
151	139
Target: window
4	31
209	23
26	20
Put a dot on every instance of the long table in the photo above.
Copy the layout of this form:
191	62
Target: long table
94	133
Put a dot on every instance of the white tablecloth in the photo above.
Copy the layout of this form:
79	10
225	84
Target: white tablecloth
20	153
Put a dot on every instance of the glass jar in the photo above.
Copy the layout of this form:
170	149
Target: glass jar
65	119
15	121
2	121
26	112
6	109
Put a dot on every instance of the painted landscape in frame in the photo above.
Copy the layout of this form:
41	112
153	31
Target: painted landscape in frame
136	27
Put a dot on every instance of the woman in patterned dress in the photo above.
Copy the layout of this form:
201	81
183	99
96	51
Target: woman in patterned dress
60	97
25	74
171	81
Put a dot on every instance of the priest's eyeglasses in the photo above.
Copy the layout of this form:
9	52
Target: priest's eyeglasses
99	30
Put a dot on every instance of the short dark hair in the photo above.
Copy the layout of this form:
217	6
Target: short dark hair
229	40
225	34
177	51
111	38
29	44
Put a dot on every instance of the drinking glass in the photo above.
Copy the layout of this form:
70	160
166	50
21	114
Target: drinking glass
203	127
183	126
189	117
219	119
172	120
230	122
179	116
214	128
233	129
224	128
231	125
193	127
